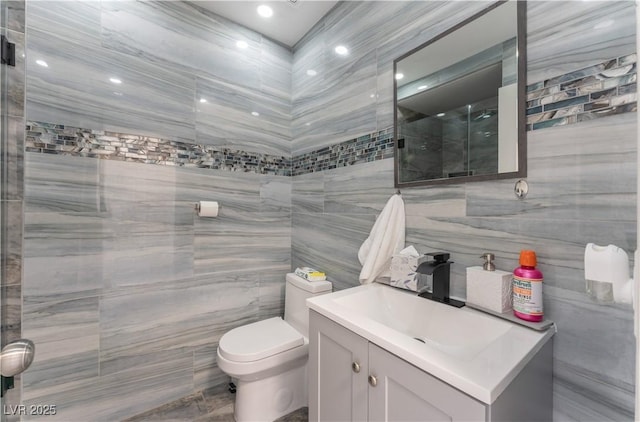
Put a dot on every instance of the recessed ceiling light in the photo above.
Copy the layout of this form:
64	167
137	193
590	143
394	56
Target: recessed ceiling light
342	50
242	44
203	100
311	72
255	113
421	87
440	115
42	63
399	76
115	80
265	11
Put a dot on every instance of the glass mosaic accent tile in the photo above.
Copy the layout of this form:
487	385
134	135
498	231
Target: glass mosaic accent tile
67	140
51	138
596	91
371	147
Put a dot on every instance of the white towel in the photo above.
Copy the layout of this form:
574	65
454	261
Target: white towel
385	240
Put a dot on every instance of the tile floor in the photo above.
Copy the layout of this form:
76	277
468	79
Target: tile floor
210	405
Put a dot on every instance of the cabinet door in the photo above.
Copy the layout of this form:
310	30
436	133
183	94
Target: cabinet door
338	360
403	392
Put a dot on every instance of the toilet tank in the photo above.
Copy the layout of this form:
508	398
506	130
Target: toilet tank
296	293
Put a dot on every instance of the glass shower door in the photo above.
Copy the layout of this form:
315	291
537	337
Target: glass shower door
3	130
15	354
3	133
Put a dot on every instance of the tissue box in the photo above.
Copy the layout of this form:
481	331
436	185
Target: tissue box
489	289
403	272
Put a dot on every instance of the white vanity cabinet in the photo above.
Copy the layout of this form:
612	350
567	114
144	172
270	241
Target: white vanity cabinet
352	379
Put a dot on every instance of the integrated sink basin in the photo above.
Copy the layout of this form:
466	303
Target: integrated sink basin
460	334
475	352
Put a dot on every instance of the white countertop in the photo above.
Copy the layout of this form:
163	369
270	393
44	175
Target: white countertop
462	356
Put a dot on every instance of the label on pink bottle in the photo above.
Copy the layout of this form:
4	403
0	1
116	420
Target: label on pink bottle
527	295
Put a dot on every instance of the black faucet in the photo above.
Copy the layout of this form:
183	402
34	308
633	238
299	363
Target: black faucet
439	267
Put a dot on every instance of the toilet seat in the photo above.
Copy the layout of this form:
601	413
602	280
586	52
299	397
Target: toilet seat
259	340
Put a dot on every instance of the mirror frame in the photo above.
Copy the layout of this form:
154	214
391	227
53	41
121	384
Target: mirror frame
521	112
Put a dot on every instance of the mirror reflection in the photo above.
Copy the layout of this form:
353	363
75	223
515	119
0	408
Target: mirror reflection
457	103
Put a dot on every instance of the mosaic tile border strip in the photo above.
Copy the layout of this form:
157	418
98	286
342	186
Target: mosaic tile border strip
596	91
371	147
53	138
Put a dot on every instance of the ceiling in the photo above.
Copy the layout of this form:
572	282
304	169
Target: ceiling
291	20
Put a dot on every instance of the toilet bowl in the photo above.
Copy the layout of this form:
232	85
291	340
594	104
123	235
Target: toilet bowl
267	360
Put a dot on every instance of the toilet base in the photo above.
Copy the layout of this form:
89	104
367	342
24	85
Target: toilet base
269	398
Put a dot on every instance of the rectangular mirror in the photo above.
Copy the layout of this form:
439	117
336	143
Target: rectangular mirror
459	102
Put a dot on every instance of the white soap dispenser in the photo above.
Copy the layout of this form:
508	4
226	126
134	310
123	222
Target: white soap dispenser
488	288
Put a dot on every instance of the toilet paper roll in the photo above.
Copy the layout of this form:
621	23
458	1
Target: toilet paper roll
208	208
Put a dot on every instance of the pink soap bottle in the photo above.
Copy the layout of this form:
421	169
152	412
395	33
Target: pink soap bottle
527	288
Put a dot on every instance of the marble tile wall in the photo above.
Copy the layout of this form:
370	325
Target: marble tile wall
597	91
12	94
176	90
126	291
350	96
575	195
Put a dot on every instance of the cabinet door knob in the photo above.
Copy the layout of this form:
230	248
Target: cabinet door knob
356	367
373	380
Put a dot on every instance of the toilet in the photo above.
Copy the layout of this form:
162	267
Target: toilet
267	360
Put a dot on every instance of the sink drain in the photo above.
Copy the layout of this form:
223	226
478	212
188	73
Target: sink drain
420	340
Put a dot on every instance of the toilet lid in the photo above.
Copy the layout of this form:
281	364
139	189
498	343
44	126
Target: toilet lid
259	340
